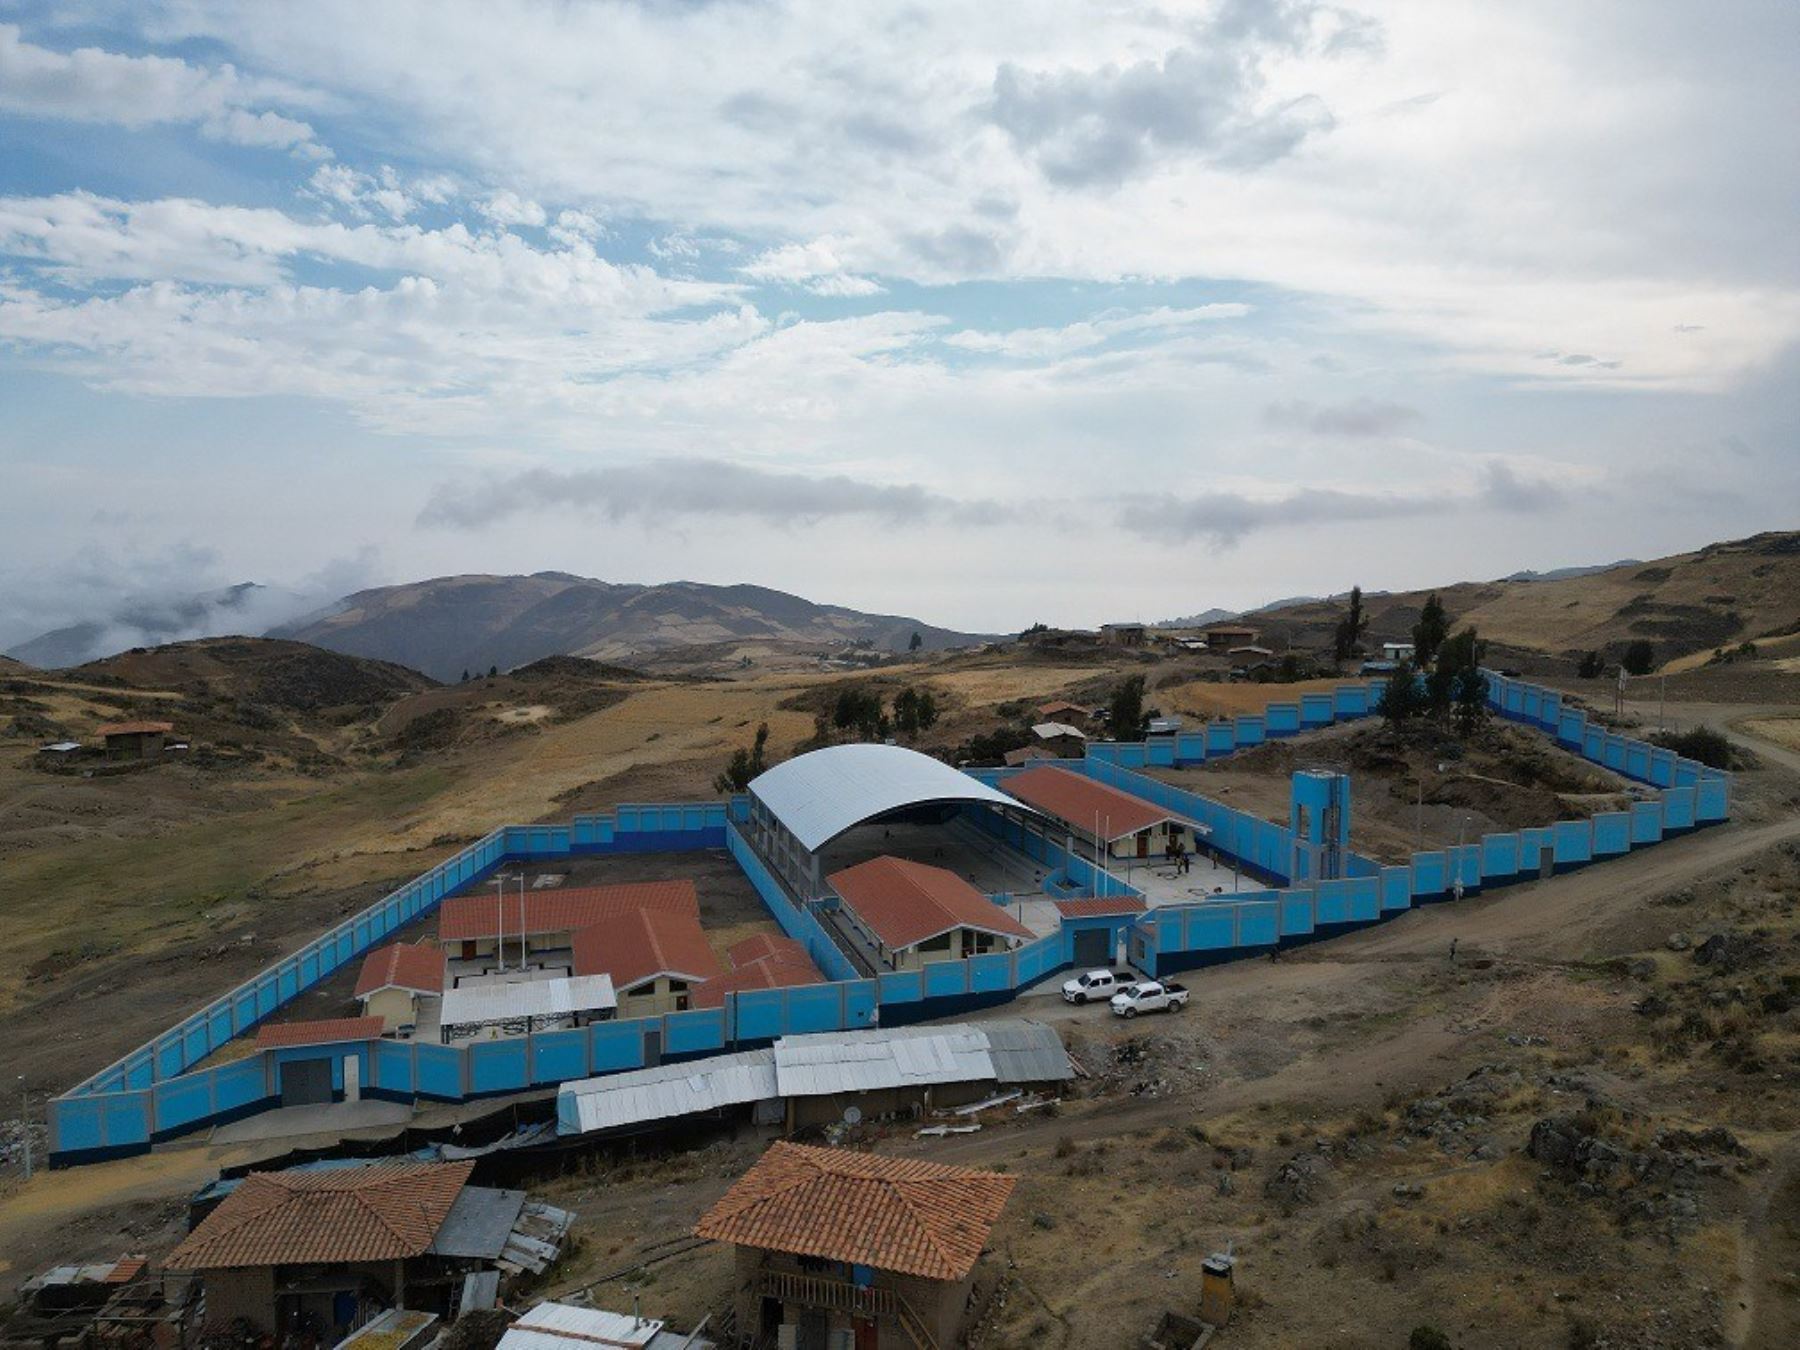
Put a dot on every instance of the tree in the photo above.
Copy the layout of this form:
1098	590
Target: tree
1402	699
1126	718
1639	657
1456	685
1351	627
1470	702
1591	666
914	710
860	710
916	643
465	678
1429	632
744	765
493	671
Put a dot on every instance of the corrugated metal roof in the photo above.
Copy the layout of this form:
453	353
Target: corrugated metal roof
530	998
670	1090
561	1326
1049	731
1027	1052
865	1061
821	794
479	1223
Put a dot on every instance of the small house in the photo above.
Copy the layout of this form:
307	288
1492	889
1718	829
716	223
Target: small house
764	961
1123	634
914	914
1223	637
656	959
1061	739
544	923
838	1245
1096	812
1397	651
395	979
134	740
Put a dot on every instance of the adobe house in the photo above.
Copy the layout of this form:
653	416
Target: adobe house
294	1253
135	740
1224	637
830	1241
914	914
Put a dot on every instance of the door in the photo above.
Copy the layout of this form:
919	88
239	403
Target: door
1144	844
866	1336
1091	947
652	1047
305	1082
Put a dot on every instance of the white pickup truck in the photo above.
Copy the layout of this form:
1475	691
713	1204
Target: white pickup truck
1150	996
1096	986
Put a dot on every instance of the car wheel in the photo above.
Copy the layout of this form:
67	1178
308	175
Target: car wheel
1176	1007
1131	1012
1080	999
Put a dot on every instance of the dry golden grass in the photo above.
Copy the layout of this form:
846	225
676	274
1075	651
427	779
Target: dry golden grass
1202	698
1002	685
1781	730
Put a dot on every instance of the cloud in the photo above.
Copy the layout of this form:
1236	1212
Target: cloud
685	488
94	85
1098	127
1359	417
101	602
1226	518
1047	343
814	266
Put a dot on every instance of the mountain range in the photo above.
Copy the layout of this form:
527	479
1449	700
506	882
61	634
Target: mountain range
451	624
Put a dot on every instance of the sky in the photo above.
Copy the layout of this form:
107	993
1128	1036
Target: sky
988	314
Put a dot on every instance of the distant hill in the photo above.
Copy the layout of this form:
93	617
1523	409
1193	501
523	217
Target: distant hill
147	622
450	624
1565	573
1199	620
1717	596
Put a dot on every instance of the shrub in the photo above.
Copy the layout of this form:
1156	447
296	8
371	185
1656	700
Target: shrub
1427	1337
1702	743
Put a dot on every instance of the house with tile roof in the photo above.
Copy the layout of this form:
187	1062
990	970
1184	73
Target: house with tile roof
912	914
545	922
655	957
1128	825
134	740
394	980
765	961
830	1241
316	1252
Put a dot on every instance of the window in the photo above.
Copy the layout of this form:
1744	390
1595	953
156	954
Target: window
940	943
678	986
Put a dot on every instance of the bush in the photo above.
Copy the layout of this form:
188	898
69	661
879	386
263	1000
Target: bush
1427	1337
1704	744
1639	657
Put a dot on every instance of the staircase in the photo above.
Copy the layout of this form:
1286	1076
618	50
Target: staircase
817	1291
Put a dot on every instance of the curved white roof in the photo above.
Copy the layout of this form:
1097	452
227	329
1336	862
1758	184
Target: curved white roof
821	794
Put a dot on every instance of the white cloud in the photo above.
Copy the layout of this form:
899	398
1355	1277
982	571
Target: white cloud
94	85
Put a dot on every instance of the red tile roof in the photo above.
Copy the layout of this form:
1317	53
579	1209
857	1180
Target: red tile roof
640	944
274	1035
896	1214
1099	907
1077	800
905	902
134	728
402	965
468	917
761	962
762	946
1061	705
384	1212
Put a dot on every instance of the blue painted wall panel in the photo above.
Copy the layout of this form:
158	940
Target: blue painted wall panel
1396	889
1612	833
1296	913
1574	842
1646	823
1257	924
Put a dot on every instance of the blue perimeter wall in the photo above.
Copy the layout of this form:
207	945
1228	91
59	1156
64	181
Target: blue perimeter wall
152	1094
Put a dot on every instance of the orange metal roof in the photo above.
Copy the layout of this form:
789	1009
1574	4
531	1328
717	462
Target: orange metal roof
905	902
402	965
1084	802
274	1035
467	917
896	1214
133	728
643	943
379	1213
1099	907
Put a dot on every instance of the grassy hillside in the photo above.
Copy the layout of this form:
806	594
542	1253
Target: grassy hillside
1718	596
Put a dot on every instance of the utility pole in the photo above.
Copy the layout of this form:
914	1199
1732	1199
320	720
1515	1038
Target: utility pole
524	951
499	884
25	1123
